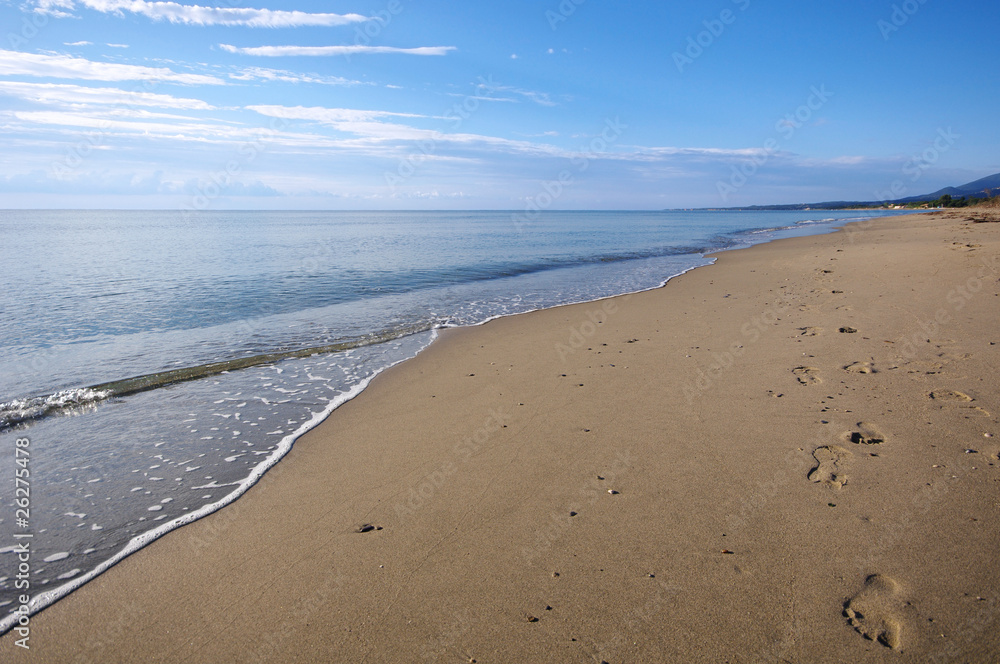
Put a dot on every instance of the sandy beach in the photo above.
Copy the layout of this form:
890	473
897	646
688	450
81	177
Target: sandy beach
788	456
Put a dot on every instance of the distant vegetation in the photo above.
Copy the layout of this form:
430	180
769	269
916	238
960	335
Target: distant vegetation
984	192
948	201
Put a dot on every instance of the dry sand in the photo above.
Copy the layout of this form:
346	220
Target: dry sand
780	458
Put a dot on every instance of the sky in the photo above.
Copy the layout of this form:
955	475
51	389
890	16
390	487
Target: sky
514	105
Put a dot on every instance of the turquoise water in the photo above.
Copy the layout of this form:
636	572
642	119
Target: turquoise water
239	304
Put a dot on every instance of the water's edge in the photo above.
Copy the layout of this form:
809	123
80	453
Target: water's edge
134	385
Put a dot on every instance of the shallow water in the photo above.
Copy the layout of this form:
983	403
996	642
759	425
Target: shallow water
94	298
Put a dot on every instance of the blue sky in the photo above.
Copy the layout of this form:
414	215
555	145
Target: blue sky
524	104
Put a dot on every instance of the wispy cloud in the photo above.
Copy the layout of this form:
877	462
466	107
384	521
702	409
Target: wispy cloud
54	8
197	15
59	93
118	45
16	63
351	121
172	128
540	98
283	51
78	43
283	76
373	129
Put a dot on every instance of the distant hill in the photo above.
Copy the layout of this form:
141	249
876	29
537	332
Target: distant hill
977	189
982	188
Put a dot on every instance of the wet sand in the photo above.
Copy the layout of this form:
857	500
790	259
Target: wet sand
791	455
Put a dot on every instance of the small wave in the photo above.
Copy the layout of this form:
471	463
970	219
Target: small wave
67	401
30	408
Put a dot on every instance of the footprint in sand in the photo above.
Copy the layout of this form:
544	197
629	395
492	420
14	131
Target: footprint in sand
810	331
860	368
949	395
866	433
807	375
874	612
924	368
831	460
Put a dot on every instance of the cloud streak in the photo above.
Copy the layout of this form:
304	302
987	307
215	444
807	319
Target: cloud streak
16	63
201	16
283	76
285	51
59	93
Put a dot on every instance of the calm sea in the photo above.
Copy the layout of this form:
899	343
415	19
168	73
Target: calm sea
157	363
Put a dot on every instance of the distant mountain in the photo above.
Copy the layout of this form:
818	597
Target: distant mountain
975	189
989	185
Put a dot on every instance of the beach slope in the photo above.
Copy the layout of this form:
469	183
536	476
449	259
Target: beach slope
791	455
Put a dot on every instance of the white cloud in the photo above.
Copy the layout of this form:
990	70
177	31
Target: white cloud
351	121
78	43
281	51
57	93
16	63
540	98
118	45
130	121
280	75
369	126
197	15
54	8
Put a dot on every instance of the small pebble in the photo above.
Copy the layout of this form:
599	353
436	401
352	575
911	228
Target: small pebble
612	492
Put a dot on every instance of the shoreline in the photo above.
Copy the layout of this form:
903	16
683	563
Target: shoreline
480	437
127	386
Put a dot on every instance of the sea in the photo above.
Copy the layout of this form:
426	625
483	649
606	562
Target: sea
155	364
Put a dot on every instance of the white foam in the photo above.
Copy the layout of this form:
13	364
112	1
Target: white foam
30	407
44	599
56	556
